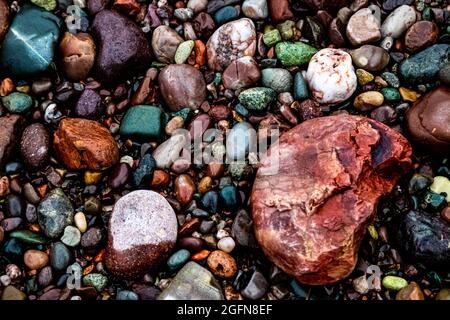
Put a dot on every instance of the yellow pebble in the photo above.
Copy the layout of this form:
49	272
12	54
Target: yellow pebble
205	184
23	89
91	177
408	95
373	232
364	77
80	221
440	185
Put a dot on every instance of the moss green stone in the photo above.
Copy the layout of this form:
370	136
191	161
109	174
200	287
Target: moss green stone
28	237
183	51
287	29
17	102
96	280
394	283
391	94
48	5
142	121
294	53
258	98
271	37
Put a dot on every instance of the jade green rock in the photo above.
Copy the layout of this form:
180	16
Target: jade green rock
424	66
390	94
17	102
287	29
300	87
29	45
258	98
28	237
142	121
394	283
48	5
229	197
178	259
272	37
183	51
294	53
96	280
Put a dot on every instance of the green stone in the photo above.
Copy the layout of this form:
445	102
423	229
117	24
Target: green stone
28	237
48	5
364	77
96	280
294	53
258	98
11	293
271	37
229	197
184	51
287	29
17	102
185	113
278	79
178	259
300	87
142	121
394	283
391	79
71	236
28	47
427	14
390	94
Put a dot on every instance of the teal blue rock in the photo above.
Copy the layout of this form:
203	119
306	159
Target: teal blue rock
424	66
258	98
391	94
96	280
17	102
300	87
277	79
142	121
391	79
225	14
29	45
178	259
229	197
294	53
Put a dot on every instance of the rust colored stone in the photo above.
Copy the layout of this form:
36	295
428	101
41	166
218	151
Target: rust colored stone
127	7
184	188
420	35
222	264
160	179
78	55
6	87
311	214
11	128
189	227
280	11
4	187
85	144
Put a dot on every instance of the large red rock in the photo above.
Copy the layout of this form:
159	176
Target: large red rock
85	144
310	217
11	128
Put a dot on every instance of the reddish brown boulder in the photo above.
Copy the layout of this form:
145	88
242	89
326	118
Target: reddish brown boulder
11	128
421	34
85	144
311	214
280	11
4	18
427	120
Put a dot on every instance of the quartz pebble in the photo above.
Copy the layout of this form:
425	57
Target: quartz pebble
398	22
364	26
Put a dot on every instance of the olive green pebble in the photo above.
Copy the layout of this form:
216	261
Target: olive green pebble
391	94
391	79
287	29
294	53
184	51
394	283
258	98
272	37
48	5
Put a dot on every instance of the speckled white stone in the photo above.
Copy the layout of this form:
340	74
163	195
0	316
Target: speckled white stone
331	76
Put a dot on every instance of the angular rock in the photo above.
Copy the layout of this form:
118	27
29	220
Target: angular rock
165	42
193	282
231	41
35	145
422	34
241	73
55	212
142	233
179	93
294	54
145	122
311	219
123	50
85	144
10	131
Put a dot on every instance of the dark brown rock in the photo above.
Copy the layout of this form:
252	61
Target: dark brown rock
123	49
10	130
4	18
85	144
280	10
420	35
203	25
35	145
427	120
310	215
78	55
179	93
241	73
142	233
336	32
184	188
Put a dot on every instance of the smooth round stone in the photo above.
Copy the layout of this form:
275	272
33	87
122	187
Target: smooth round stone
256	288
444	74
443	294
11	293
119	175
300	87
278	79
123	49
89	105
35	259
294	53
197	5
255	9
241	139
45	276
71	236
142	233
179	93
191	243
169	151
331	76
91	238
78	55
226	244
165	42
364	26
4	18
96	280
222	264
10	224
55	212
242	230
184	189
183	51
28	47
411	292
60	256
398	22
178	259
394	283
80	221
368	101
127	295
257	98
422	34
370	58
241	73
35	145
210	201
390	94
229	197
142	122
423	67
229	42
225	15
15	206
17	102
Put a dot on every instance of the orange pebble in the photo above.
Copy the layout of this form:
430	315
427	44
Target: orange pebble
99	257
200	52
42	190
199	256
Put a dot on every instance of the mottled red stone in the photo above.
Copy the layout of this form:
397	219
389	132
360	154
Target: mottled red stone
310	217
280	11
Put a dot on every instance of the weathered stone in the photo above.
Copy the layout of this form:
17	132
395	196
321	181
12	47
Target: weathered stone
364	26
311	219
35	145
165	42
422	34
55	212
4	18
370	58
89	105
398	22
78	55
10	131
241	73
